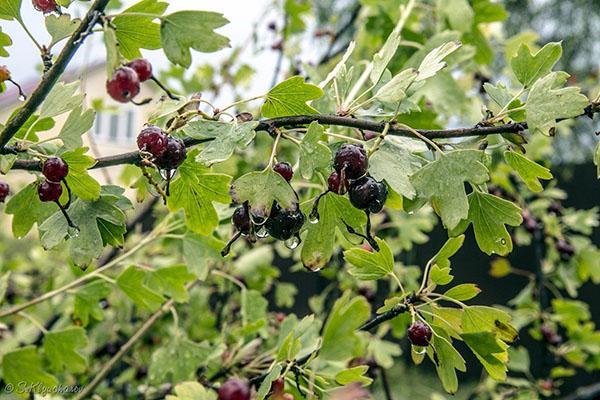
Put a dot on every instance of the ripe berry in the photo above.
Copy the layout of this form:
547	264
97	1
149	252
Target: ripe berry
282	224
55	169
529	222
45	6
123	85
565	249
370	135
555	208
4	191
284	169
174	155
4	73
234	389
241	220
368	194
142	67
419	334
550	335
335	184
153	140
352	159
49	191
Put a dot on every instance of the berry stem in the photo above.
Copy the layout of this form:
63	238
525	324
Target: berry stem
141	103
33	39
231	241
164	88
274	151
64	212
22	94
69	195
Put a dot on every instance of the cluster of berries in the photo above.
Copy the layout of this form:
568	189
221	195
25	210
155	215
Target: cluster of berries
168	151
124	84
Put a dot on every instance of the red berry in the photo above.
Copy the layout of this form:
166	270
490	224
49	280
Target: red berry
234	389
352	159
49	191
565	249
4	191
45	6
55	169
335	184
370	135
123	85
284	169
174	155
153	140
4	73
142	67
419	334
241	220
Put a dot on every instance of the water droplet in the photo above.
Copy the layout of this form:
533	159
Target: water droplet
262	232
167	174
313	217
22	97
292	242
419	350
257	219
72	232
411	212
503	242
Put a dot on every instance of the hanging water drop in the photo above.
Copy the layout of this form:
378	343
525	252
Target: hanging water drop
72	232
257	219
419	350
292	242
313	217
22	97
503	242
262	233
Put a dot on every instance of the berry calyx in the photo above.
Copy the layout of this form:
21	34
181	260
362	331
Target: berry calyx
419	334
368	194
174	155
55	169
124	84
284	169
241	220
49	191
336	184
565	249
352	159
142	67
4	191
153	140
45	6
282	223
234	389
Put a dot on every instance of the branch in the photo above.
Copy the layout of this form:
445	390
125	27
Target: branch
330	53
585	393
51	77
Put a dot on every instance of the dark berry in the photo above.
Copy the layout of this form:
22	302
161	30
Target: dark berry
153	140
45	6
282	223
55	169
4	191
550	335
368	194
368	135
419	334
352	159
174	155
284	169
49	191
335	184
241	220
123	85
555	208
234	389
244	117
142	67
367	293
4	73
529	222
565	249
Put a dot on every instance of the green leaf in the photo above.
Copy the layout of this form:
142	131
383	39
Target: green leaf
227	137
370	265
489	215
185	30
260	189
488	319
5	41
60	348
442	181
191	391
135	32
265	385
458	13
170	281
113	59
132	283
6	162
448	361
394	163
194	191
254	306
463	292
10	9
112	234
491	352
597	159
395	89
530	171
61	26
355	374
528	67
23	368
81	183
314	155
340	339
78	123
61	99
440	272
289	98
334	210
382	58
87	301
27	209
200	252
547	102
3	285
189	355
434	61
285	294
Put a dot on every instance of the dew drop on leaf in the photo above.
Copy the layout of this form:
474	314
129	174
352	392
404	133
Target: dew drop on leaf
72	232
292	242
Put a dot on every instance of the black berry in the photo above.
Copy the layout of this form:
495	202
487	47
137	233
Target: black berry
234	389
174	155
142	67
49	191
419	333
153	140
45	6
55	169
368	194
335	184
352	159
565	249
241	220
4	191
123	85
282	223
284	169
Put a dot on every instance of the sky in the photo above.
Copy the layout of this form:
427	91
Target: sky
24	61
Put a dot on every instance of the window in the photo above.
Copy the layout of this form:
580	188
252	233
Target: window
115	128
